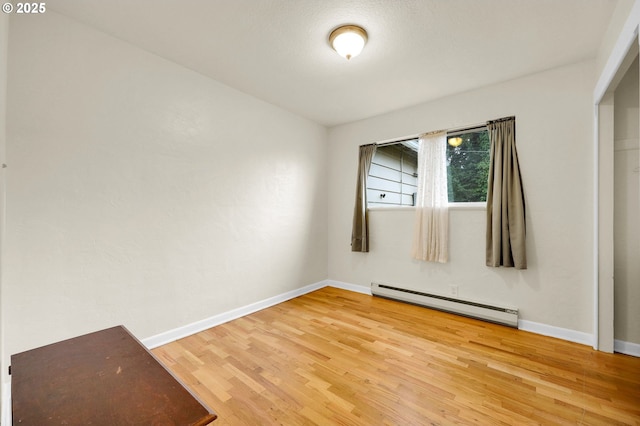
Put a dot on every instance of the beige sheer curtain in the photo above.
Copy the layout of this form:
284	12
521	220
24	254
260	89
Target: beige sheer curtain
505	199
360	230
431	230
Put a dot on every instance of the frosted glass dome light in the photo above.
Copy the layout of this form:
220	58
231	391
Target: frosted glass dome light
348	40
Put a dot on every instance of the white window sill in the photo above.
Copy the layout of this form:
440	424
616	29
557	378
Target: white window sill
452	206
468	206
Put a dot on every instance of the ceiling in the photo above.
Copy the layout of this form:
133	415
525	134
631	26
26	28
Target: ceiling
418	50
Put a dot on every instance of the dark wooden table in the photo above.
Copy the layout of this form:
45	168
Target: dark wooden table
103	378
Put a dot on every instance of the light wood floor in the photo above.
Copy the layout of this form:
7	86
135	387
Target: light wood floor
334	357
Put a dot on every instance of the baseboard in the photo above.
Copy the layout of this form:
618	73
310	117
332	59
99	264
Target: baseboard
533	327
530	326
350	287
626	348
189	329
196	327
6	404
557	332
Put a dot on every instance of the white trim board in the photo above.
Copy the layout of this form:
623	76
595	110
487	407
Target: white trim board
6	418
350	287
189	329
626	42
626	348
195	327
623	44
557	332
524	325
530	326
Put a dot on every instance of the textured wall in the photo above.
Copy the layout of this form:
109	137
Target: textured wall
4	33
554	126
144	194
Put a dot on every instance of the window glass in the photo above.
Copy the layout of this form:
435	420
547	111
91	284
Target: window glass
393	176
468	166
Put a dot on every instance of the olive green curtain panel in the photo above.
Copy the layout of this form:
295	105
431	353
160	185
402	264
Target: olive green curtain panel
360	230
506	227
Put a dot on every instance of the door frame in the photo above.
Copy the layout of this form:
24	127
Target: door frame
624	52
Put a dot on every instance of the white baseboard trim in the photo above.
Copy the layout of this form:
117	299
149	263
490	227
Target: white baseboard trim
6	419
351	287
533	327
189	329
557	332
196	327
626	348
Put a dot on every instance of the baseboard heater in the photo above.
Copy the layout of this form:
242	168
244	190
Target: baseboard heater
496	314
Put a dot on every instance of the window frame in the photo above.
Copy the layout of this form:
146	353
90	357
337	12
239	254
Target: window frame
452	205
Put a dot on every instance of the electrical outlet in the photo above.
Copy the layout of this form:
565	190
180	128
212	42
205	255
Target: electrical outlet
453	290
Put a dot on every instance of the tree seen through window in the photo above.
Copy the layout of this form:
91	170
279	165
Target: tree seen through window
468	166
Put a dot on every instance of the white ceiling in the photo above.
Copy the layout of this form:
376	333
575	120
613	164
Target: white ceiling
418	50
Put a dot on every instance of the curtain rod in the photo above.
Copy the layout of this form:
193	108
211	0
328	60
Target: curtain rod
433	132
463	130
429	133
459	130
499	120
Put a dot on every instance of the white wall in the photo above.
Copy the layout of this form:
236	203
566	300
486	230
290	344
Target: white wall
610	39
144	194
627	208
125	205
554	132
4	36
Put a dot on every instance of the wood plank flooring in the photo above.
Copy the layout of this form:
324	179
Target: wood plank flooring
334	357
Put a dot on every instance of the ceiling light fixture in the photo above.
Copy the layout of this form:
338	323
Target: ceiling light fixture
348	40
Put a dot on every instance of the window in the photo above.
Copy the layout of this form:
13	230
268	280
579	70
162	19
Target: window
393	174
468	165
